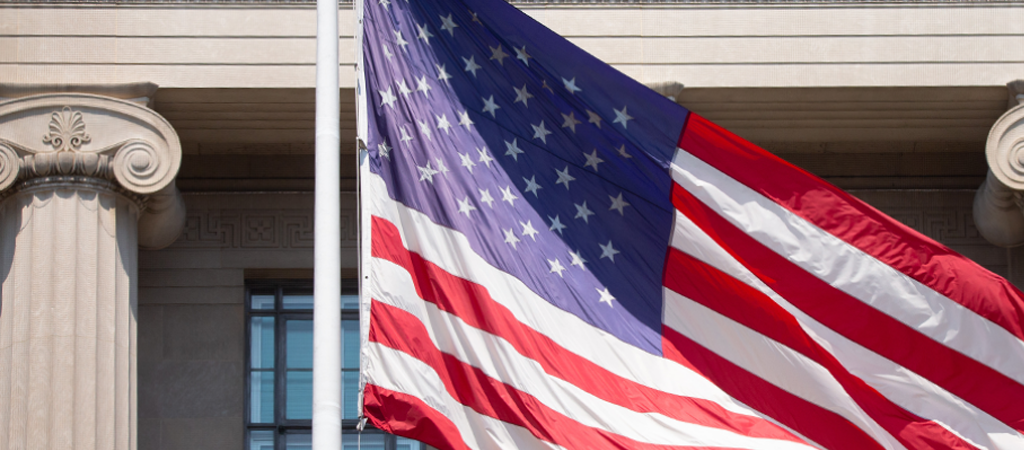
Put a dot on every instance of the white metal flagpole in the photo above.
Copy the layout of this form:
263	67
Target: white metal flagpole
327	236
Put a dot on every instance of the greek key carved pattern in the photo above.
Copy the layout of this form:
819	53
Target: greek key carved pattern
951	227
258	229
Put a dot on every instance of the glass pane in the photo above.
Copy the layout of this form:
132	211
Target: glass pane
299	341
350	394
298	441
261	343
407	444
261	401
369	441
350	344
297	299
262	299
299	391
261	440
350	301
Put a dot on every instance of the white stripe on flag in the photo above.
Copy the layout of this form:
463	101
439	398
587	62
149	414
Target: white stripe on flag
501	361
850	270
397	371
905	388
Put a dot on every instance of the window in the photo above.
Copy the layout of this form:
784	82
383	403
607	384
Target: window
279	378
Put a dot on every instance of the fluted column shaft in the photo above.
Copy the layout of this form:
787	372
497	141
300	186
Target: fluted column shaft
68	327
85	181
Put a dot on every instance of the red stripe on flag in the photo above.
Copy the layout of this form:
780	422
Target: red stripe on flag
470	386
816	423
970	380
473	304
858	224
410	417
749	307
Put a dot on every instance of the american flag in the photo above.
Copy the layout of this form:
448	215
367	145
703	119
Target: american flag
556	256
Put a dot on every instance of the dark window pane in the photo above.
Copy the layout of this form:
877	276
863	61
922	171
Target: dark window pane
261	400
299	391
349	302
294	441
262	300
261	343
261	440
350	394
350	344
366	441
299	340
297	299
407	444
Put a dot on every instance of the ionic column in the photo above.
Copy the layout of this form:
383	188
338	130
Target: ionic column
999	201
85	180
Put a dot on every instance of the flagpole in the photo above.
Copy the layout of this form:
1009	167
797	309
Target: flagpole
327	236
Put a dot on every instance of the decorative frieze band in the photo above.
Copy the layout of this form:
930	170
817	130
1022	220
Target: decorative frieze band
257	228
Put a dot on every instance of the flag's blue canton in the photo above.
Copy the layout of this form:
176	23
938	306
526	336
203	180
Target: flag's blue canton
552	163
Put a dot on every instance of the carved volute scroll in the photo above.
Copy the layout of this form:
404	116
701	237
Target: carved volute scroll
59	136
1005	148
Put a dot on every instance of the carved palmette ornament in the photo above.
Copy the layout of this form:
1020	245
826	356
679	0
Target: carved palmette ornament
67	130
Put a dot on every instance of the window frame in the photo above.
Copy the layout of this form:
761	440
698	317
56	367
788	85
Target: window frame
282	425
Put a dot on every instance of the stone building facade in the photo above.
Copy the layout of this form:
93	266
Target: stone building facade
156	174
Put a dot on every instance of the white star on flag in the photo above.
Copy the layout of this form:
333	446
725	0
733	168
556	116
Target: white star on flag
485	197
422	86
564	177
512	149
522	95
465	206
570	121
449	24
425	128
594	118
442	123
570	85
531	185
388	98
442	74
464	119
606	297
593	160
384	149
621	117
485	158
577	260
618	203
623	152
490	106
441	167
427	173
508	196
522	55
607	251
424	33
471	65
404	88
498	54
401	41
467	162
510	237
539	132
556	266
582	212
556	224
528	230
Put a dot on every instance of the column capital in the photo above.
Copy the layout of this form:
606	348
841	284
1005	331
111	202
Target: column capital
61	133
